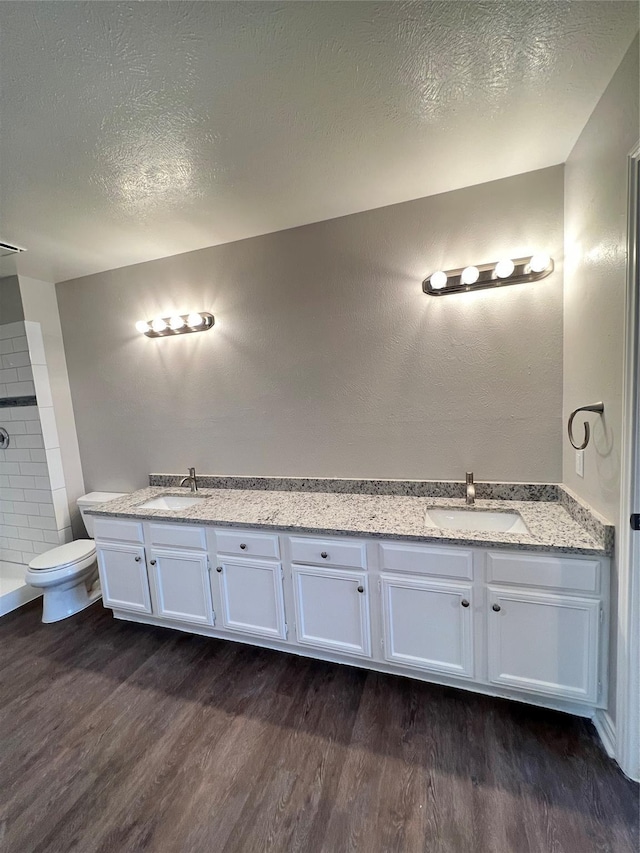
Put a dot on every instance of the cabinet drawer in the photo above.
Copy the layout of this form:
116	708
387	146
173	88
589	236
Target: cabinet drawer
328	552
248	544
427	560
544	571
117	529
177	536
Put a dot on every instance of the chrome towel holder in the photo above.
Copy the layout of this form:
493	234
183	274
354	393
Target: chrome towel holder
595	407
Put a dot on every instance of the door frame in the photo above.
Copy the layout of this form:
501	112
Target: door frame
627	734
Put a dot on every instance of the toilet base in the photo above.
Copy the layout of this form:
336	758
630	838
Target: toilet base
66	600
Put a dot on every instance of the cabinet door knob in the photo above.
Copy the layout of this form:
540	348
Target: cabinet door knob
360	588
153	562
464	602
243	546
138	559
496	607
218	568
324	555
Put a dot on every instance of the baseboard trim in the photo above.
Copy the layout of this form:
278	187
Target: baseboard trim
606	730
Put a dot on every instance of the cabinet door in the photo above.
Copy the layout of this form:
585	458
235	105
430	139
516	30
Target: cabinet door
181	588
544	643
123	577
332	610
428	624
251	596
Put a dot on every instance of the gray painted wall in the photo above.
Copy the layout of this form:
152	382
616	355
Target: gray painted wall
594	292
326	358
10	300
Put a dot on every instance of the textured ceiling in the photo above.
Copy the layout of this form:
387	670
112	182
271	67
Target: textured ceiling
133	131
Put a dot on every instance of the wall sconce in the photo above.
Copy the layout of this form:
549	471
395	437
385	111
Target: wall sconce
497	274
179	324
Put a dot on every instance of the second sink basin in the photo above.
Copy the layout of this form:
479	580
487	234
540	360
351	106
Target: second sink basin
475	520
172	502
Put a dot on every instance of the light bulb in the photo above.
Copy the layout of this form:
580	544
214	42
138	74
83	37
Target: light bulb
194	320
176	322
539	263
470	275
142	326
504	268
438	280
158	325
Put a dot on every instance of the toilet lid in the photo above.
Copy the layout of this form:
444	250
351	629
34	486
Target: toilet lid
64	555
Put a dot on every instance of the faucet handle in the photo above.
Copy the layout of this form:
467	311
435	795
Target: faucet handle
469	477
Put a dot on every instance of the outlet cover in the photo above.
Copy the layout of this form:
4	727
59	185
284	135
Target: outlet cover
580	463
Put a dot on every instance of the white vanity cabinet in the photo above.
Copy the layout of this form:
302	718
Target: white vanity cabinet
544	643
545	616
122	564
428	624
428	607
251	597
248	583
517	624
179	572
180	582
332	609
123	576
331	599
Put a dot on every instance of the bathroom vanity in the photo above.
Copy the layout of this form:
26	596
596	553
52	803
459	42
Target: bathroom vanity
510	614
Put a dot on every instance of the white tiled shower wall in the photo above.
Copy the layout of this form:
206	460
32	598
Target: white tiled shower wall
34	514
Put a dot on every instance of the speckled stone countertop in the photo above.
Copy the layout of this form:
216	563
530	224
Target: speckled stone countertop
551	527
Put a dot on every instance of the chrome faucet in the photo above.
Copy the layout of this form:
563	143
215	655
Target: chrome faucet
471	489
191	479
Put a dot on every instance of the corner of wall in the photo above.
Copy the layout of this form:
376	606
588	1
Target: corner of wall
44	336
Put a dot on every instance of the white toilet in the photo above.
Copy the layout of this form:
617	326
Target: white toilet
68	574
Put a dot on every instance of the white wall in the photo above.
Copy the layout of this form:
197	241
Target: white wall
326	358
594	293
42	323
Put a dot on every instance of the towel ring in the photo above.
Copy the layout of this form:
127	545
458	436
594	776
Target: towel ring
596	407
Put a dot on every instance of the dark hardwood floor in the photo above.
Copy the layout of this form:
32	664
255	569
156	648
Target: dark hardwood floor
118	737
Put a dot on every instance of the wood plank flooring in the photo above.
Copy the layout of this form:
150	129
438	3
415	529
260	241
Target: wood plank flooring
119	737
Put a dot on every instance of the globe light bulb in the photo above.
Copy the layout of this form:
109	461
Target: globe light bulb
504	268
158	325
142	326
539	262
470	275
194	320
176	323
438	280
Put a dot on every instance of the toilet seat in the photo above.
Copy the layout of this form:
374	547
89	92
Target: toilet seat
74	555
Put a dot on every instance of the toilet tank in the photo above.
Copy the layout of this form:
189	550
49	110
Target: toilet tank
92	499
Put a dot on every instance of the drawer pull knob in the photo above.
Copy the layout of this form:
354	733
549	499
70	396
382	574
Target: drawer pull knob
464	602
496	607
360	588
138	559
153	562
324	555
218	568
243	546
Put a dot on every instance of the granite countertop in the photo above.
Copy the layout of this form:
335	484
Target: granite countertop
551	527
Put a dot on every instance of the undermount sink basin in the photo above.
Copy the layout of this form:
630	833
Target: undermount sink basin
172	502
475	520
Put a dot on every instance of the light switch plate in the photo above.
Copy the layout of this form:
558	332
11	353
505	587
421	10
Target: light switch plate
580	463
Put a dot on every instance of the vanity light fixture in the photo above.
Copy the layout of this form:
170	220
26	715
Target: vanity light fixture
497	274
179	324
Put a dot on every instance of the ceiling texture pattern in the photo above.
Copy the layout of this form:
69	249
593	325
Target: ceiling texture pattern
132	131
